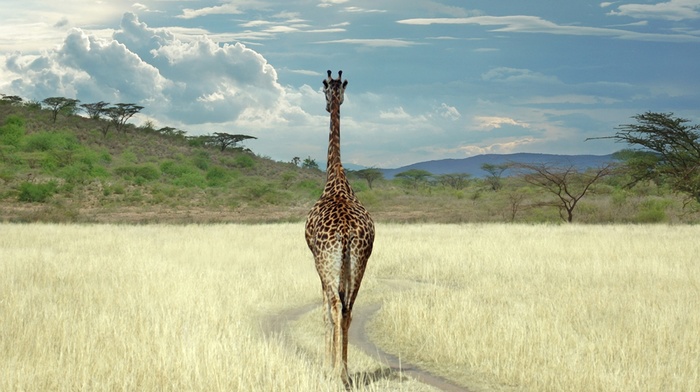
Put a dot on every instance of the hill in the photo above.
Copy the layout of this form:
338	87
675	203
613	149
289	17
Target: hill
71	170
472	165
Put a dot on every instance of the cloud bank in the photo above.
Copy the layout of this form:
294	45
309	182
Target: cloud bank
186	82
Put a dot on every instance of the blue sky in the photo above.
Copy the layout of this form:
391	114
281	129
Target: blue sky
427	79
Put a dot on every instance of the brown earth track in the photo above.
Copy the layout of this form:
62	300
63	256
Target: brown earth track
277	324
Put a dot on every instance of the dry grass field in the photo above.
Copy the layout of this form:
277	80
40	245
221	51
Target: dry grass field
492	307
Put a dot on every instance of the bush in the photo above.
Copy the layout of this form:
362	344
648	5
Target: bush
12	133
312	188
47	141
244	161
175	169
652	211
201	160
217	176
147	172
263	193
37	193
129	156
191	180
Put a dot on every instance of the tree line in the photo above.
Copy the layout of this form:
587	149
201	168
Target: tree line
661	148
117	115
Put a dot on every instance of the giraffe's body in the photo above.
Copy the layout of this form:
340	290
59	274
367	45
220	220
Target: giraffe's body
340	234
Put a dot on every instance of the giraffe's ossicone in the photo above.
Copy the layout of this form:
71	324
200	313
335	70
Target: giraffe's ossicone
340	234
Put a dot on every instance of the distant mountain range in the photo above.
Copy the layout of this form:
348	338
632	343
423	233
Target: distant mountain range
472	165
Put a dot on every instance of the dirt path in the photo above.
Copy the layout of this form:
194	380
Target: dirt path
279	323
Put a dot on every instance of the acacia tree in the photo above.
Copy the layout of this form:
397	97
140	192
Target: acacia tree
11	99
370	175
121	113
95	110
567	184
309	163
668	151
223	140
454	180
415	176
495	173
59	104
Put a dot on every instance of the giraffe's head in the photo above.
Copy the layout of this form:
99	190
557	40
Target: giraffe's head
334	89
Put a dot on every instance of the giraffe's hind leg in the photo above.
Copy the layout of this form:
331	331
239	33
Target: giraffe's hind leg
337	338
345	326
328	324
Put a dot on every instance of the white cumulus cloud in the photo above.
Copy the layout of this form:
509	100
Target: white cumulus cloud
494	122
189	82
671	10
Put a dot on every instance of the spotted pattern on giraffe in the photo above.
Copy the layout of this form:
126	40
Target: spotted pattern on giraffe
340	235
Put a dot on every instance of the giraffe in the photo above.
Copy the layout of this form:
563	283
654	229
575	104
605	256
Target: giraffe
340	234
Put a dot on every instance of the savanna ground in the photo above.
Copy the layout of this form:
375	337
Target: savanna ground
487	306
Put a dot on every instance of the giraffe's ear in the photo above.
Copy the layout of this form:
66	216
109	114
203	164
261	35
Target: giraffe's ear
325	83
345	84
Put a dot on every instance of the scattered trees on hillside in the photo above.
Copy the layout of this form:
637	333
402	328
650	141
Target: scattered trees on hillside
116	115
60	104
415	176
11	99
219	140
223	140
120	113
668	151
567	184
454	180
309	163
95	110
495	173
171	132
369	175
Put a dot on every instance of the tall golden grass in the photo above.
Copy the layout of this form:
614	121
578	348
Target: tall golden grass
149	308
172	308
547	308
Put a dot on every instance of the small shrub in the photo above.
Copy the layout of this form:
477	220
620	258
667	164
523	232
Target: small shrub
259	191
191	180
55	213
312	188
37	193
368	198
117	189
129	156
359	186
76	174
202	160
47	141
7	174
244	161
652	211
175	169
12	133
105	156
147	172
217	176
619	197
288	178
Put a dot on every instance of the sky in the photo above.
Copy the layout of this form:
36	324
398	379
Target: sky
428	79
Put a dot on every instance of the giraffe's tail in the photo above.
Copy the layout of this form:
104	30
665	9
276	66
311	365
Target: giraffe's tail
345	285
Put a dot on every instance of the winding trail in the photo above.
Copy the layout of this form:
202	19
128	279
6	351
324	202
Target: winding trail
279	323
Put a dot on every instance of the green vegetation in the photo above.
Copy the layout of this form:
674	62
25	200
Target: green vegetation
73	170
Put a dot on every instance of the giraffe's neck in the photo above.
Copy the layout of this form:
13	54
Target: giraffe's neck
334	167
